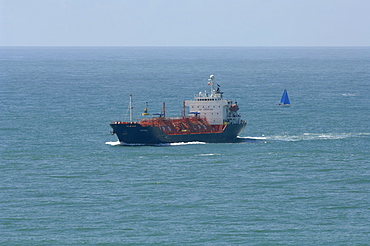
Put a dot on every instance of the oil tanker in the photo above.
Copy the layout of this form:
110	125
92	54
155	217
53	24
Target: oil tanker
207	118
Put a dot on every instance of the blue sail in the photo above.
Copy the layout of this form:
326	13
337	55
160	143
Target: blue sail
285	98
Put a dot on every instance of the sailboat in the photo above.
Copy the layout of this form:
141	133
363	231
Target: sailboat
284	99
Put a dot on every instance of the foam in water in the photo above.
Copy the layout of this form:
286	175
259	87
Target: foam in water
252	138
113	143
187	143
118	143
312	136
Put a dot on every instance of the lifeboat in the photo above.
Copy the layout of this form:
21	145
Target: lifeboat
234	108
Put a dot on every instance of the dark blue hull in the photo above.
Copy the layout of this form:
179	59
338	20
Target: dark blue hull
136	134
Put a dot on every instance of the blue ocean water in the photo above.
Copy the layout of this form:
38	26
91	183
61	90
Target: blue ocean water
300	177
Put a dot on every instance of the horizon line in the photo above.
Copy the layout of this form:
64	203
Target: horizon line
186	46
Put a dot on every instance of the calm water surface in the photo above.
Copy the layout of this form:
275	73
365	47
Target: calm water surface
301	176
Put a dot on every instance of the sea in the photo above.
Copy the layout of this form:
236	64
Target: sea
299	176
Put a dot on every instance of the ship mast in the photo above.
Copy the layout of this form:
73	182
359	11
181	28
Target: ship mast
214	93
130	108
211	82
164	110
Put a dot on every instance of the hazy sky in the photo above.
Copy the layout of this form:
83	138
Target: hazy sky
185	22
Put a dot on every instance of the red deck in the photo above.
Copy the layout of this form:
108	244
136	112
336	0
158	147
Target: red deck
184	125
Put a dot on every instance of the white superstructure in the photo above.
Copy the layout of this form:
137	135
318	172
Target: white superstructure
213	107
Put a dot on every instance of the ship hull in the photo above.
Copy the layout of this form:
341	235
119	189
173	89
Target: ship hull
134	133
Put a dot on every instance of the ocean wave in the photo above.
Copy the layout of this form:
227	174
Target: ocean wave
308	137
211	154
348	94
252	138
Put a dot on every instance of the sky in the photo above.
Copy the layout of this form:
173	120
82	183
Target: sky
184	23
